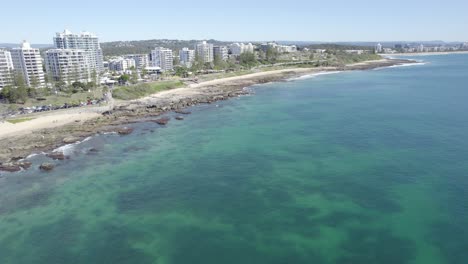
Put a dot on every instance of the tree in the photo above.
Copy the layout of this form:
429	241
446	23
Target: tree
124	78
248	59
219	63
134	77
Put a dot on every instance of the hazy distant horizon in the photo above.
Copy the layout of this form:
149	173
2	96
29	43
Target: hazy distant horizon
243	20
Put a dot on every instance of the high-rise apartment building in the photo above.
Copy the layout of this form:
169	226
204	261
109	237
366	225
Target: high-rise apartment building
84	41
27	61
141	60
69	65
221	52
186	57
205	51
6	68
163	58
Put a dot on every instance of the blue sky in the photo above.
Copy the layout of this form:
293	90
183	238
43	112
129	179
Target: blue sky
357	20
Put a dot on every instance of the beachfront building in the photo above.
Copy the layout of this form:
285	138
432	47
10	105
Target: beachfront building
141	60
186	57
279	48
420	48
162	58
84	41
27	62
239	48
121	64
378	48
6	68
221	52
69	65
204	51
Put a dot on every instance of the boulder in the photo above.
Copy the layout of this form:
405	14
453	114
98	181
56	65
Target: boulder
56	155
47	166
125	130
70	140
179	118
25	164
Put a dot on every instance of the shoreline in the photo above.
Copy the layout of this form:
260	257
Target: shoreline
415	54
50	131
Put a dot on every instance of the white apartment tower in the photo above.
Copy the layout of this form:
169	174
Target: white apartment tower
28	62
163	58
69	65
205	51
6	68
187	57
84	41
221	52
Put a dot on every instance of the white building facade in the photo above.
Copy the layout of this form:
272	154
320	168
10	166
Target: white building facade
85	41
221	52
6	68
186	57
162	58
69	65
27	61
239	48
141	60
122	64
204	50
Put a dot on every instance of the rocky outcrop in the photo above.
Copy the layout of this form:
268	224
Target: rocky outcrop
56	156
47	166
10	167
125	130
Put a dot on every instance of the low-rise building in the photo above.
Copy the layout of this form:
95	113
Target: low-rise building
27	62
141	60
239	48
121	64
163	58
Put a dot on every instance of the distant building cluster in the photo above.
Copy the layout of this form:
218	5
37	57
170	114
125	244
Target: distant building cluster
417	48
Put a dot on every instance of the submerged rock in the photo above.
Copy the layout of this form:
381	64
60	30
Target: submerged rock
125	130
47	166
183	112
56	155
179	118
162	121
25	164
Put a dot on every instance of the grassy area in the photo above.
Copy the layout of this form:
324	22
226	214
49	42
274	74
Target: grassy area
62	98
19	120
144	89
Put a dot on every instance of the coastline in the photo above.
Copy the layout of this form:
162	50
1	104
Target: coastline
415	54
49	131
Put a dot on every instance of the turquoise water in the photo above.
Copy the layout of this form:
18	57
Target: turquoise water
355	167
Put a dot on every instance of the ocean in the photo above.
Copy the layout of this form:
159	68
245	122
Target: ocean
349	168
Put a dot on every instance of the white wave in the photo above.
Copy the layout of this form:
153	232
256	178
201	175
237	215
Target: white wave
419	63
313	75
69	148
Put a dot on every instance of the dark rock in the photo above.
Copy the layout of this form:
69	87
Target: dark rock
125	130
56	155
107	113
183	112
47	166
161	121
179	118
93	150
9	167
17	158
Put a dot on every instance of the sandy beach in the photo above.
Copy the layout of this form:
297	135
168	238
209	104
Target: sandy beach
47	131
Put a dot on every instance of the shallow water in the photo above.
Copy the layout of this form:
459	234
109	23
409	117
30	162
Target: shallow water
354	167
